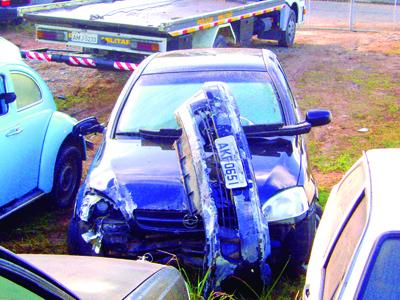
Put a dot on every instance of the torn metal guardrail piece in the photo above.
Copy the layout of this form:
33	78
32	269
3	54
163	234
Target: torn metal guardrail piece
218	176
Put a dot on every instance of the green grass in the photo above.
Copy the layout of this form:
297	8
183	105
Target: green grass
69	102
196	284
323	196
41	232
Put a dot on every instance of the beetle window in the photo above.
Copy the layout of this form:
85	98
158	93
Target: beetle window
383	275
26	89
344	249
154	98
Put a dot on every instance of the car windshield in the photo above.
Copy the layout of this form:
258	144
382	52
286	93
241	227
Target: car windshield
154	98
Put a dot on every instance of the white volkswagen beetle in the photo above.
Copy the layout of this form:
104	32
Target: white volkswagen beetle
356	251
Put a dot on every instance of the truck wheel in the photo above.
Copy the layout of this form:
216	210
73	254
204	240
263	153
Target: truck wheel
287	37
67	176
220	42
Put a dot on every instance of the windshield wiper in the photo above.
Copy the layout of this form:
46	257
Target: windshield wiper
121	133
163	133
257	131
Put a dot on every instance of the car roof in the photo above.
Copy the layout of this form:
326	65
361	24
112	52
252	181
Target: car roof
9	52
384	166
208	60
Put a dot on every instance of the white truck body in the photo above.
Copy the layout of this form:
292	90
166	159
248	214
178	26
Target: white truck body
143	27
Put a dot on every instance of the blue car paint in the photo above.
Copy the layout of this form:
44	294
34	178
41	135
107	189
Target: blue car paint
149	170
8	14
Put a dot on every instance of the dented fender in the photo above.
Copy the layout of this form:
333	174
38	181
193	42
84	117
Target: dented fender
59	128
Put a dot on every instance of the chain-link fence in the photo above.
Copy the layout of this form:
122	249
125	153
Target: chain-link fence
353	14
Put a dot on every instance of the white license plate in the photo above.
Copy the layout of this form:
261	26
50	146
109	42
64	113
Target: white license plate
230	162
84	37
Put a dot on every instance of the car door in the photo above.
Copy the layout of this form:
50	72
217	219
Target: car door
8	128
23	135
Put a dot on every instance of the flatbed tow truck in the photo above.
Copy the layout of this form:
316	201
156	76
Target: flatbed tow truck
129	30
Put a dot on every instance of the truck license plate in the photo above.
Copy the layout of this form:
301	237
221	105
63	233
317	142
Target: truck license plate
231	163
84	37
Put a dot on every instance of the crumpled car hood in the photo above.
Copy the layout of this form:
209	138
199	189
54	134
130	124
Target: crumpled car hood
150	173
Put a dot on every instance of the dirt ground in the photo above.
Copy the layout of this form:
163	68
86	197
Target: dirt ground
356	75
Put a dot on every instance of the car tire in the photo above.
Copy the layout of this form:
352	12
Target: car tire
287	37
75	243
67	176
220	42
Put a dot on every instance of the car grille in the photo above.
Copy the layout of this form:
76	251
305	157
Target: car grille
168	221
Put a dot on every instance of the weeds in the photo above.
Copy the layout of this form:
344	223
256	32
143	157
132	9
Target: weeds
69	102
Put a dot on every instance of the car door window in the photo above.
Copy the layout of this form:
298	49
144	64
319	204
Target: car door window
344	248
28	92
347	193
12	291
383	273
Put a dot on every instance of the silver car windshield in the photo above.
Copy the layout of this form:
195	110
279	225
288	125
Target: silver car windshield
154	98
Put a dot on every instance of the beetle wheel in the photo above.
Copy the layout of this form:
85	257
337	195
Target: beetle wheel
67	176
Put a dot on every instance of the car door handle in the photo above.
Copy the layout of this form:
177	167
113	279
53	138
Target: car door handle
14	131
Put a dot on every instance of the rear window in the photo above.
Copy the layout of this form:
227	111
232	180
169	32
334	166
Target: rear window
383	274
154	98
344	248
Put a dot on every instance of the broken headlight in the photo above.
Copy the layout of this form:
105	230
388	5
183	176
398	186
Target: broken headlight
95	205
286	206
106	224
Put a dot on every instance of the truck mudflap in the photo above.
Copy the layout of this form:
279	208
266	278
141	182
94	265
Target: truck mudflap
218	176
72	60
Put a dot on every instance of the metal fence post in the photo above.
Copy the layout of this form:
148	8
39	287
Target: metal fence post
395	15
351	17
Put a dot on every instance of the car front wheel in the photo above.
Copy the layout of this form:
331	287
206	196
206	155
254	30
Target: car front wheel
67	176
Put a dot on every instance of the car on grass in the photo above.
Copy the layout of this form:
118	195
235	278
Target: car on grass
39	154
355	254
135	198
45	276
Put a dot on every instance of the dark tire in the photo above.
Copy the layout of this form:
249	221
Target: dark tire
287	37
75	243
67	176
220	42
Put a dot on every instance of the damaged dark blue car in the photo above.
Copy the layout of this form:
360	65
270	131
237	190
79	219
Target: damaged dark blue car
159	186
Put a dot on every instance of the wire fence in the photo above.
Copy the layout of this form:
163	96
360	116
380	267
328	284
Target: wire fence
369	15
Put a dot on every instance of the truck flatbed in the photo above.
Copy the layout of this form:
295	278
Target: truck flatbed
137	28
149	15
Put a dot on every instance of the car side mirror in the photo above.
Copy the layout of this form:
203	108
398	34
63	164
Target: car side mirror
7	97
318	117
88	126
